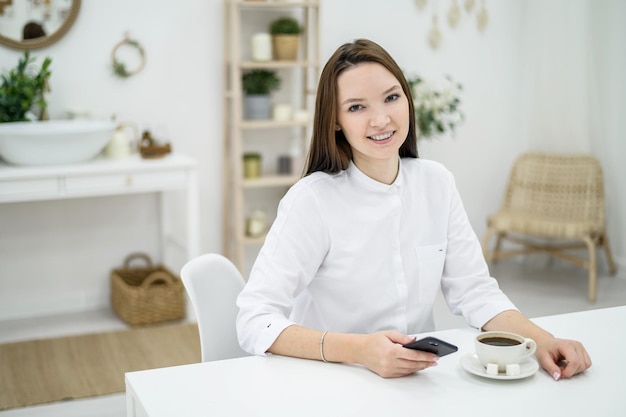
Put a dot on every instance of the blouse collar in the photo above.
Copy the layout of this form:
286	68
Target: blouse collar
355	173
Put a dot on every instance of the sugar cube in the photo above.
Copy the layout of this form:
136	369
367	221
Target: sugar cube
512	369
492	368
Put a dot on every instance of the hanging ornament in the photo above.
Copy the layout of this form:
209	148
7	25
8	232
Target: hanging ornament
434	35
482	18
134	48
469	5
421	4
454	14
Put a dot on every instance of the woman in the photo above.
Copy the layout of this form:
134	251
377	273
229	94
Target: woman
363	242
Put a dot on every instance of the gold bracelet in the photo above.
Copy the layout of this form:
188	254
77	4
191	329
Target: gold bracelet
322	346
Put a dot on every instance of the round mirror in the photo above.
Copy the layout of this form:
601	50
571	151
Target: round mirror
29	24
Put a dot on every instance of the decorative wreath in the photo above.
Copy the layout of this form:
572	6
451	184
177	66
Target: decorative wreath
119	68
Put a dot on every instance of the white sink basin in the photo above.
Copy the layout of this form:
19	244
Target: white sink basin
53	142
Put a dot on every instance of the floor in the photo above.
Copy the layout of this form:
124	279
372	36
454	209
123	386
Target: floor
538	287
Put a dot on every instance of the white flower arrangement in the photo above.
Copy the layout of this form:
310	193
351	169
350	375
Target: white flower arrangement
437	106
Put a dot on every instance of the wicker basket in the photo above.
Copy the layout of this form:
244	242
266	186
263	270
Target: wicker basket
146	295
285	47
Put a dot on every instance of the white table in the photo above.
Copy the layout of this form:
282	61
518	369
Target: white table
281	386
105	177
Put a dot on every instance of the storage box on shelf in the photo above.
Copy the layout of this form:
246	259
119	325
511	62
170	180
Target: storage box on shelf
281	140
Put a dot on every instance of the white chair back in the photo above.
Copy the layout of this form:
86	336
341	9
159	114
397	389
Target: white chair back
213	284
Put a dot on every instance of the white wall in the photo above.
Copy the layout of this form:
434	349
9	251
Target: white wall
57	256
544	76
607	59
488	66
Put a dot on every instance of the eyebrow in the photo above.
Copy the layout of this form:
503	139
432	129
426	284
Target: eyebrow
356	100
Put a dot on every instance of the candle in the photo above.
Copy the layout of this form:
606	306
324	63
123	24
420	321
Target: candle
261	47
301	115
282	112
251	165
256	224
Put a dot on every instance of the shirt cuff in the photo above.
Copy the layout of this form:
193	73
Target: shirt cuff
269	335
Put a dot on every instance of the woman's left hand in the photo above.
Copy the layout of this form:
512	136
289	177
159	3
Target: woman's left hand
562	358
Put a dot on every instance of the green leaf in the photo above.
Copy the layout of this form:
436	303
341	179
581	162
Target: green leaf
23	89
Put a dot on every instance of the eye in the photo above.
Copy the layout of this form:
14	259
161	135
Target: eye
355	107
393	97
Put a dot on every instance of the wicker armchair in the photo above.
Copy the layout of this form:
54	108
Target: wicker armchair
553	203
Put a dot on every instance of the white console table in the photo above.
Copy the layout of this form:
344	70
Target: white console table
105	177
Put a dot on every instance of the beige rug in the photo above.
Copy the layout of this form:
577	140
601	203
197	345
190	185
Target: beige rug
47	370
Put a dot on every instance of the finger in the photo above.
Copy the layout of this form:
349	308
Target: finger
571	369
551	368
400	338
402	367
549	362
415	365
581	357
578	363
409	367
588	362
417	355
418	363
574	360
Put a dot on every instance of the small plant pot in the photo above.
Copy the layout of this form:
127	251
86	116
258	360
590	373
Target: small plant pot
285	47
257	107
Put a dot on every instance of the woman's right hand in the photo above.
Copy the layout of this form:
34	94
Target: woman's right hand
383	353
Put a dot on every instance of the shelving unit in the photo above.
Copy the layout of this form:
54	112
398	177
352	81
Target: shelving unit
269	138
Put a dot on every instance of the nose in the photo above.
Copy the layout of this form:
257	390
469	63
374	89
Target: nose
379	118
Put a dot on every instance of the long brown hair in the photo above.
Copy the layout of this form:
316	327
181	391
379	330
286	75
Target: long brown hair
330	151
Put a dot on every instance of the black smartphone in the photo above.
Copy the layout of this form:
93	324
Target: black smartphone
432	345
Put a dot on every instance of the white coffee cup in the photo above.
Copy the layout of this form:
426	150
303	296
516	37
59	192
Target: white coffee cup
503	348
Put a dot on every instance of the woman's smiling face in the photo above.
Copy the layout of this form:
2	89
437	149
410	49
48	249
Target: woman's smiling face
373	113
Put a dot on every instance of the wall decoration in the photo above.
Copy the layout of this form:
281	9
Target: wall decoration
454	15
421	4
482	18
434	35
469	5
35	24
130	46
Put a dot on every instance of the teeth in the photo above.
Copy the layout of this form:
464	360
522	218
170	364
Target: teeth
381	137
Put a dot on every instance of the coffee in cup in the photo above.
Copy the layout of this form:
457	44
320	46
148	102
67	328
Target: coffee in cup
503	348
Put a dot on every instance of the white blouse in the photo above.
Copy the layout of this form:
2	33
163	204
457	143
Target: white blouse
349	254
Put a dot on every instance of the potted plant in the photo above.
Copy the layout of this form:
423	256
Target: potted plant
285	33
257	85
437	106
22	91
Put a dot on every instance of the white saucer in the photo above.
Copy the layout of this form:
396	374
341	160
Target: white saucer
472	365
